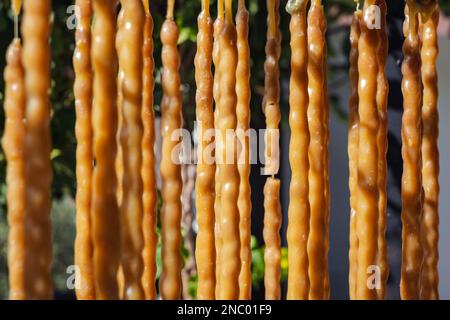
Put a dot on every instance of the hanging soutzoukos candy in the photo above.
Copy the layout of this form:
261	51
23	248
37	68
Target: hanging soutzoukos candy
131	63
361	186
318	181
299	208
12	142
430	152
412	253
218	25
367	184
326	161
171	110
205	245
230	265
84	157
105	212
150	196
119	153
382	101
36	27
271	108
272	251
13	146
243	126
353	144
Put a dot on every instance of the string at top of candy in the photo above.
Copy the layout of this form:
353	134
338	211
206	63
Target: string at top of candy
426	3
229	10
16	7
368	3
241	4
272	23
423	7
426	8
205	6
295	6
220	9
146	7
412	17
170	9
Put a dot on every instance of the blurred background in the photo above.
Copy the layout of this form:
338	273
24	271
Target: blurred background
339	16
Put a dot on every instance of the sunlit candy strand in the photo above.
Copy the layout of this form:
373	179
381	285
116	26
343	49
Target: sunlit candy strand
84	164
105	213
272	240
271	108
131	64
218	24
13	146
430	159
243	125
317	181
299	208
150	196
205	244
412	197
229	176
382	96
353	141
367	185
171	110
36	62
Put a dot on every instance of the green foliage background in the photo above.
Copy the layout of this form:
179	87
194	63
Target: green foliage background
63	115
